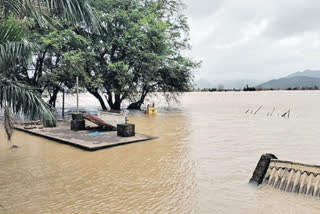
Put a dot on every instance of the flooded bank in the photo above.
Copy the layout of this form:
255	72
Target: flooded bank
207	150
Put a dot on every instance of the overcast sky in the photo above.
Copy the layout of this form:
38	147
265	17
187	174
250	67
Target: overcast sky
254	39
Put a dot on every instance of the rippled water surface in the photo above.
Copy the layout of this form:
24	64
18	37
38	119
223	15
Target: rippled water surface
207	150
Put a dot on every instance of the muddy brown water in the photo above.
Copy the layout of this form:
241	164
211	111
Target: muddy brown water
207	150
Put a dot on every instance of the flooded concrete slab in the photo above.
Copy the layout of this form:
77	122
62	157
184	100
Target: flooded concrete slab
91	139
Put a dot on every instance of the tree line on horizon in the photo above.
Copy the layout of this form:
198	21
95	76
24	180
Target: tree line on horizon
247	88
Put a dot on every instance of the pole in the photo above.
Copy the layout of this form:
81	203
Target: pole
62	103
77	94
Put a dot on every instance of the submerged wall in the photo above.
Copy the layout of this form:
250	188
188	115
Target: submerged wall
292	177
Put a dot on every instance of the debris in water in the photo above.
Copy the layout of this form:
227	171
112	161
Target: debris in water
14	147
258	109
286	114
274	108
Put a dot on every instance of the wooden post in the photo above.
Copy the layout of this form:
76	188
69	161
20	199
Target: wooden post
77	84
62	103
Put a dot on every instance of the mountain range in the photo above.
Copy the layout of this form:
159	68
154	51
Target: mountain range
303	79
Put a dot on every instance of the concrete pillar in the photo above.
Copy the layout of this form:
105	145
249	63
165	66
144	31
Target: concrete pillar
77	122
261	168
126	130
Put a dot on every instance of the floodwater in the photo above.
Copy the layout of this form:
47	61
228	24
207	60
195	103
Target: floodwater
207	150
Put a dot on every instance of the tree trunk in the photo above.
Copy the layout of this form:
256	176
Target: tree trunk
116	104
137	105
53	98
98	96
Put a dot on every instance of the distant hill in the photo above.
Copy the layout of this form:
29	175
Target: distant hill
307	78
306	73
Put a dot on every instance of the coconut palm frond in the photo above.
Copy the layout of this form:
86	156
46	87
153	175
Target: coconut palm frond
11	30
12	53
13	48
11	7
8	123
22	99
75	11
42	19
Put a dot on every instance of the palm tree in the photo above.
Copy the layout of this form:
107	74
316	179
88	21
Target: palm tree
75	11
14	49
20	98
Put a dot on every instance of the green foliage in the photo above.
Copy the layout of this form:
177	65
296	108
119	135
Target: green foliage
140	50
117	76
15	50
15	96
12	30
58	41
59	58
64	75
137	51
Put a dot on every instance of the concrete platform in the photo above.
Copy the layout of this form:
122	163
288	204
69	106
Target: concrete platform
91	140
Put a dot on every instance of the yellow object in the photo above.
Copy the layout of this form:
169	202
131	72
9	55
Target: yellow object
150	110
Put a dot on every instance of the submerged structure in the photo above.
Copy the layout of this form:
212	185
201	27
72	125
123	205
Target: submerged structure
98	135
287	176
113	117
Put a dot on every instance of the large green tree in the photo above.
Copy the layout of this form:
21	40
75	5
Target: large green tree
172	72
57	60
139	51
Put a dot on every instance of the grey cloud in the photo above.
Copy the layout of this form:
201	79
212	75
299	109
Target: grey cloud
202	8
290	18
252	39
